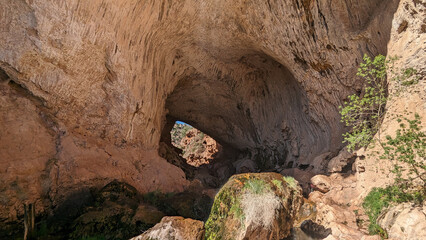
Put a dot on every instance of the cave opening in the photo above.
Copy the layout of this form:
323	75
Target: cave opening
258	113
197	148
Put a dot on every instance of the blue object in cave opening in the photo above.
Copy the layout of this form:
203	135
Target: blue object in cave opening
184	123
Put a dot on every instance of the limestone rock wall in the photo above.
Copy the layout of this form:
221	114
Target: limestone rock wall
99	77
408	43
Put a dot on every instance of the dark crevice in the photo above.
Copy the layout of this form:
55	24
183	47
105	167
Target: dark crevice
403	26
348	167
315	230
303	166
3	76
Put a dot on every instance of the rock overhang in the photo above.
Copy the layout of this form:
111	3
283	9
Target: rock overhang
109	72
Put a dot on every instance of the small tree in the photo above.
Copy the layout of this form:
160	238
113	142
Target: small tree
408	152
364	113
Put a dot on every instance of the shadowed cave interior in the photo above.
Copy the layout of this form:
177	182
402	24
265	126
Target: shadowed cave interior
266	126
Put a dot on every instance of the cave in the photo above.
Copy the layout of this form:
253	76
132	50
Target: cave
257	111
90	91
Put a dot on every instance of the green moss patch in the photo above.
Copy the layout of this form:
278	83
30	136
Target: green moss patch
227	218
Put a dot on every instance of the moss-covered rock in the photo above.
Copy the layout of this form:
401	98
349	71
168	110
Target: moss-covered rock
254	206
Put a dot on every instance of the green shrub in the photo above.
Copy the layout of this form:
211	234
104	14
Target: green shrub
408	152
374	203
379	199
364	113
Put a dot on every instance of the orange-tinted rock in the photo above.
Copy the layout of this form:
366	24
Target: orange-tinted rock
198	148
174	228
321	183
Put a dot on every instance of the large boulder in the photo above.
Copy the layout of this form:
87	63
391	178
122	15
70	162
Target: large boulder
336	207
343	161
321	183
404	222
255	206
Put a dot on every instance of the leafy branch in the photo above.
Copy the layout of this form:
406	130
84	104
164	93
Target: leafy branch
408	147
364	113
406	150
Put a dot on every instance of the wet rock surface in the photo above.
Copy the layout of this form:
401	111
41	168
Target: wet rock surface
314	230
195	205
113	214
116	211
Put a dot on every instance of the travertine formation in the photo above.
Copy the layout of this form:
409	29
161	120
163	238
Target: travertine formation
88	87
255	206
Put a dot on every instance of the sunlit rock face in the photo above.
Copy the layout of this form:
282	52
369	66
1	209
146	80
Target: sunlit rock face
96	80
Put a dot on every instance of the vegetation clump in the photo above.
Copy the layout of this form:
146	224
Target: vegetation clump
292	183
364	113
374	203
252	201
256	186
406	149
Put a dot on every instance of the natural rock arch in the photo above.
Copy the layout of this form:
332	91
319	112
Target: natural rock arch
101	76
255	105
